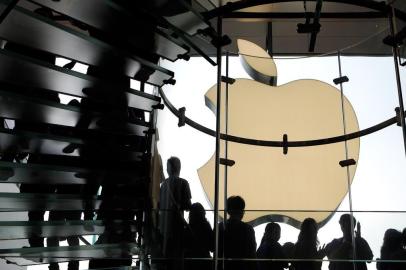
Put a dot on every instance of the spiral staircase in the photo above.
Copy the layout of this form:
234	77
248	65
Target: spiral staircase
84	142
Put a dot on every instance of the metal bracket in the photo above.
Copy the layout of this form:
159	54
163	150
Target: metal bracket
341	80
285	144
347	162
182	117
308	28
159	106
69	65
398	117
150	131
185	56
227	162
227	80
396	40
170	81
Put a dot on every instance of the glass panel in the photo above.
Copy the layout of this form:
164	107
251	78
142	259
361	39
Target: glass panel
369	97
30	256
23	229
12	202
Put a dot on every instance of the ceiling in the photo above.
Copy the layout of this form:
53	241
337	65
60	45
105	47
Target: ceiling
352	35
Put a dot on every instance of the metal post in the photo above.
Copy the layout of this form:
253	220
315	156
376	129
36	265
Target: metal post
354	252
226	155
395	50
217	161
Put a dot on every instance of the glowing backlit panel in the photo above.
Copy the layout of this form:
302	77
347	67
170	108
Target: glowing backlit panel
308	178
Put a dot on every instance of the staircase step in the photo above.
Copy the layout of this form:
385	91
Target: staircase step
52	140
190	21
70	43
25	142
41	75
17	202
37	110
10	230
35	173
33	256
18	141
96	13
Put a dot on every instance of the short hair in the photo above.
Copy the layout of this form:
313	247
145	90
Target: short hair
273	231
345	219
197	214
173	166
235	204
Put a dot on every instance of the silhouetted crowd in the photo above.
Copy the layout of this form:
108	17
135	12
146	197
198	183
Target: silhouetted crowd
190	245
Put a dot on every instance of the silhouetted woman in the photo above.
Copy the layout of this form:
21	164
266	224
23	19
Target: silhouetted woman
392	245
199	239
306	247
271	249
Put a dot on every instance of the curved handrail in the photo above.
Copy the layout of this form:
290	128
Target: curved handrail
234	6
242	140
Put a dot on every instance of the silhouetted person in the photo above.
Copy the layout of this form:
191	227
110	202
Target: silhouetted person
306	247
271	249
175	198
392	245
236	238
342	248
199	239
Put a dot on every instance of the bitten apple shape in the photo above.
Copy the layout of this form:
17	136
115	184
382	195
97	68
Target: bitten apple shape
307	178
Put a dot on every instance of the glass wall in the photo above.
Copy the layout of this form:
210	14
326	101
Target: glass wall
305	189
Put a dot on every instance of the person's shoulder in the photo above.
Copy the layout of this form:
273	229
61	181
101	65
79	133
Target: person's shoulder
164	183
336	240
247	227
183	181
361	241
334	243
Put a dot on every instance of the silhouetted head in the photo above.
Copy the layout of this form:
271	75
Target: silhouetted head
288	249
272	232
308	232
392	242
197	213
235	207
173	166
345	223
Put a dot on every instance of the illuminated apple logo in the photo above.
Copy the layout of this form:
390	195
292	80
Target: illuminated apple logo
307	178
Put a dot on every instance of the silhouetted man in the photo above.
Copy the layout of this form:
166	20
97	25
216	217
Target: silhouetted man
342	248
236	238
175	198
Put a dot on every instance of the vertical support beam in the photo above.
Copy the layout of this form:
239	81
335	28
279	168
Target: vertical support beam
269	39
217	160
316	21
395	50
226	155
354	250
